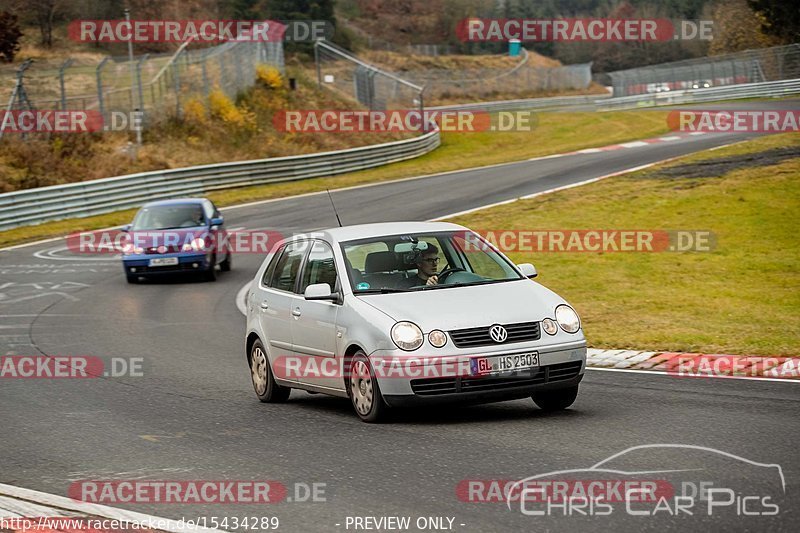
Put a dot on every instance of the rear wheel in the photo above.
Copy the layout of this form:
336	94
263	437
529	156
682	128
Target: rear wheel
364	391
555	400
267	390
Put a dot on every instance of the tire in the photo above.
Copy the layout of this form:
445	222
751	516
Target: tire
555	400
132	279
362	387
211	273
267	390
226	265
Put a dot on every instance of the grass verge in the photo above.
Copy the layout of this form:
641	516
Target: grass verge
555	133
741	298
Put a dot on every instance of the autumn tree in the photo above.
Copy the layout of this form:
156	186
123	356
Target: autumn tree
9	36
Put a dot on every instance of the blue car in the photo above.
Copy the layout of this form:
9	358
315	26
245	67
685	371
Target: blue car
175	236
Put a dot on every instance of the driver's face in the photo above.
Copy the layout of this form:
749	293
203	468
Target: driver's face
428	264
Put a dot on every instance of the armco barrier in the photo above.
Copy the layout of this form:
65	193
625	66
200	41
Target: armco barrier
529	103
75	200
725	92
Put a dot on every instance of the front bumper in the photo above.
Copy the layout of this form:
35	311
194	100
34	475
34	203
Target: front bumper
138	265
560	366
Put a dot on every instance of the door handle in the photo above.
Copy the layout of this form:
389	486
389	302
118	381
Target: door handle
264	305
296	311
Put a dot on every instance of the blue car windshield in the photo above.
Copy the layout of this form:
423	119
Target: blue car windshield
169	217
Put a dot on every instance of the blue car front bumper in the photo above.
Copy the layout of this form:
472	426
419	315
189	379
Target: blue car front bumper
139	264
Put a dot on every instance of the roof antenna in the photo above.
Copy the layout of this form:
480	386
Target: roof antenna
334	207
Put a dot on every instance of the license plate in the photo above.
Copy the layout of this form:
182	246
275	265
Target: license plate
163	261
503	363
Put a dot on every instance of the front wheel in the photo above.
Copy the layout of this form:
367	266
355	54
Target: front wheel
555	400
364	391
211	274
226	265
267	390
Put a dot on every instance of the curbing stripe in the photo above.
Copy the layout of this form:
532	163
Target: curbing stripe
61	504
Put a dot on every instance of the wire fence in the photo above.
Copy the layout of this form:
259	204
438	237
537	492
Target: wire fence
157	85
477	84
750	66
373	88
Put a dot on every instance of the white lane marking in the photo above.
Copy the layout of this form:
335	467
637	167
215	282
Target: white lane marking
590	150
698	133
60	503
554	156
240	298
548	191
50	255
670	138
634	144
668	374
44	241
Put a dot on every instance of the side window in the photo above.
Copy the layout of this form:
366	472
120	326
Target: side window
288	266
319	267
271	267
209	210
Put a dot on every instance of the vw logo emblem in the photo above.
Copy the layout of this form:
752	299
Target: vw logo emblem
498	333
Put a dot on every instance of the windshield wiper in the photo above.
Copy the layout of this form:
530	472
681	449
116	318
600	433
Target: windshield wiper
381	291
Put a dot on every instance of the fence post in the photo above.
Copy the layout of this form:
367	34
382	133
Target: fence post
205	77
65	65
99	72
316	61
176	76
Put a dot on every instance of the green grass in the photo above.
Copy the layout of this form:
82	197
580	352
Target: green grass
741	298
554	133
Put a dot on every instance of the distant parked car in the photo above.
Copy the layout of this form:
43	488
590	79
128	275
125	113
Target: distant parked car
702	84
175	236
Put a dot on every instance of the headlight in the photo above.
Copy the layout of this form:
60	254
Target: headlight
129	249
197	244
437	338
549	326
568	319
407	336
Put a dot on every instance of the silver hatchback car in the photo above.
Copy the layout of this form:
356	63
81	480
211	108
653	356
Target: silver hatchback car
397	314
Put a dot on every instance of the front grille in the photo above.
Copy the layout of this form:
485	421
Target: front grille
471	337
534	376
182	267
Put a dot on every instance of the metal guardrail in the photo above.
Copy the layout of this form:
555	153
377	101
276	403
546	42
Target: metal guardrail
773	89
529	103
82	199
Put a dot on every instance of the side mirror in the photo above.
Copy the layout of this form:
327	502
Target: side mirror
320	291
217	221
528	270
126	228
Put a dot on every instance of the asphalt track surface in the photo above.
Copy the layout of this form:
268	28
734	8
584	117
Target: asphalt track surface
194	416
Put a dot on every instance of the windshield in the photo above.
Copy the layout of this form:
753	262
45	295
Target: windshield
169	217
424	261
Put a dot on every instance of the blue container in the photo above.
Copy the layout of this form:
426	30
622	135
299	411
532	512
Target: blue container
514	46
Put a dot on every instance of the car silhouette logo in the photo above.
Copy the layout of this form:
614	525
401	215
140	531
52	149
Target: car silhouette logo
498	333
